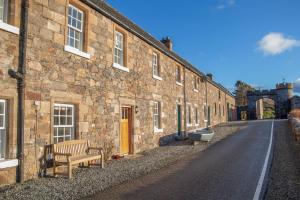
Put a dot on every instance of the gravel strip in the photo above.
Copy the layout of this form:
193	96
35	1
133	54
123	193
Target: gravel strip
90	181
284	180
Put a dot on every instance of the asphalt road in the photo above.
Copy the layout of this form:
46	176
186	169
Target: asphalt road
229	169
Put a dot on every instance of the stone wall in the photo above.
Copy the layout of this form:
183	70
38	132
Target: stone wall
8	90
96	89
295	124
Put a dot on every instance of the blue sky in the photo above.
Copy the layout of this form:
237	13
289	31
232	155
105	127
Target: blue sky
257	41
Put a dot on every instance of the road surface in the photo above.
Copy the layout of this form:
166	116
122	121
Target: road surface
230	169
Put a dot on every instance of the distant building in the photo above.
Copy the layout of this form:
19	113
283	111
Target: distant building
295	102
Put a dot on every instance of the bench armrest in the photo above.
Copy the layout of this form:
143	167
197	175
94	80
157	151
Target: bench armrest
95	148
61	154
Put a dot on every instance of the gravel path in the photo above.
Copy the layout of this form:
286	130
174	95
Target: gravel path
90	181
284	180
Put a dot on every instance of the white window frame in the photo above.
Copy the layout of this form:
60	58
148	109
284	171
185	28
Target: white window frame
79	30
4	21
119	47
189	115
69	47
178	74
56	127
155	67
196	85
196	116
205	112
4	114
157	117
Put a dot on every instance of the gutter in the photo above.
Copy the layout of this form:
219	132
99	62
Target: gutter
20	77
184	102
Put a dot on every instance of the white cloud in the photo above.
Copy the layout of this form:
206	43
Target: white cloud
297	86
225	3
276	43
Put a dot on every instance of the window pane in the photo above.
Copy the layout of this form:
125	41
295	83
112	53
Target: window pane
60	139
2	143
79	16
68	132
62	111
56	110
63	122
61	132
79	25
1	121
69	120
69	111
56	120
70	10
1	108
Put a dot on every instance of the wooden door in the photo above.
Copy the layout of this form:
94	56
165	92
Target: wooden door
125	130
178	119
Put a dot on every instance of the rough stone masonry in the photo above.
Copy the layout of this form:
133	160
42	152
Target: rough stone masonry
88	81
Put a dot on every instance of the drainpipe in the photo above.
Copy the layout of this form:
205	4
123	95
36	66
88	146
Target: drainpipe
184	102
206	106
20	77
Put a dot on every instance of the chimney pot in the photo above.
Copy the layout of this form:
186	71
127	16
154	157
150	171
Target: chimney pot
168	43
209	75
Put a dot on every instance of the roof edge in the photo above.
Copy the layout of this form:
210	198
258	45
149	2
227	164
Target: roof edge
167	52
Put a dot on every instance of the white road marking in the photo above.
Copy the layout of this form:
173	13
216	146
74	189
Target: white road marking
263	173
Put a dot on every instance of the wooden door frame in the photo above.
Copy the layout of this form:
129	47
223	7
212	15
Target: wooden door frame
177	116
130	128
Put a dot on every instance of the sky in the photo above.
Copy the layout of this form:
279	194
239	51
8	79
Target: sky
256	41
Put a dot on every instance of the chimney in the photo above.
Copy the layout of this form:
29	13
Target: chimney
168	43
209	75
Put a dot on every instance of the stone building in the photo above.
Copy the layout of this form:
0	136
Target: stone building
295	102
90	72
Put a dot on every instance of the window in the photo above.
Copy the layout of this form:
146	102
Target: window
195	83
75	28
219	95
196	116
63	122
155	65
205	112
215	108
178	74
119	49
189	115
220	110
3	118
157	115
223	110
4	10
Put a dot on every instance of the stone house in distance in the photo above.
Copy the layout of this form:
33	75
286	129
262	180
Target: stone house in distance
93	74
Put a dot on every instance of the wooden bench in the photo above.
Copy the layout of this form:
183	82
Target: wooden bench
75	152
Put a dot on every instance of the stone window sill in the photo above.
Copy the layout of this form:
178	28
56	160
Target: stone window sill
178	83
205	120
8	163
189	125
77	52
118	66
196	124
157	77
158	130
196	90
9	28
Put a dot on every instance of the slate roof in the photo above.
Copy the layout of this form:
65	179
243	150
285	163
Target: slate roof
117	17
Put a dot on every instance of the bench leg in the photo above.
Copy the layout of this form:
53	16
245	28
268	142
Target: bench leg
54	169
69	170
102	161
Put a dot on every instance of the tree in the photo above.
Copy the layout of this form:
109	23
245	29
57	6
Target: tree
241	89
